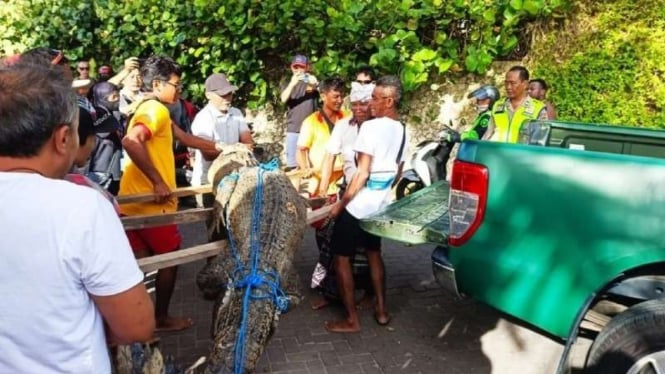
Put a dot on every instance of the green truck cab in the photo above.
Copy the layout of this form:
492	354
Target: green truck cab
565	233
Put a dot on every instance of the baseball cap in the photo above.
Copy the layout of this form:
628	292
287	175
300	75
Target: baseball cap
89	126
219	84
300	60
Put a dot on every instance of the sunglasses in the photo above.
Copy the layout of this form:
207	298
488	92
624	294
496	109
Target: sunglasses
364	81
84	68
176	86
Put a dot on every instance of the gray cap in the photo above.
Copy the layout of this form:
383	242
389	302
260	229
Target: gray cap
219	84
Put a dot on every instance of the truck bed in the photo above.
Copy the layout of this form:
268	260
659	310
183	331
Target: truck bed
423	217
416	219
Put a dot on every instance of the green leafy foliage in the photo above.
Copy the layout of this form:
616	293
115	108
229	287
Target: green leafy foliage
613	72
252	40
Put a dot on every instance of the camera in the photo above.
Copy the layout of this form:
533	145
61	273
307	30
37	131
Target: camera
305	78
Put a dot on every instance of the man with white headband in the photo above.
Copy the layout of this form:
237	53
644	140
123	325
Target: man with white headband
341	142
380	153
344	135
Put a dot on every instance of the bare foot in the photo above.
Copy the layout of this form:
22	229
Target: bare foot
382	318
320	303
173	324
366	302
344	326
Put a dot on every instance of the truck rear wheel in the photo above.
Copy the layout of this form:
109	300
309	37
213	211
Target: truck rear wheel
632	342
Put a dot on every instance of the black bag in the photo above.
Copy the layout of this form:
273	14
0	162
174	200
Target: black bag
105	160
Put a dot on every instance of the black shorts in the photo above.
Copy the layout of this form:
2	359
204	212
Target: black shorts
347	236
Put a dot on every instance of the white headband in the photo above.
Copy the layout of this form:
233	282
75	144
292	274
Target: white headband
361	92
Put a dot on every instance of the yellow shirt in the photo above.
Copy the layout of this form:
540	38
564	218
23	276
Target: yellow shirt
314	135
155	117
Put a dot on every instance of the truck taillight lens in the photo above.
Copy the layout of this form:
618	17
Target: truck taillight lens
468	198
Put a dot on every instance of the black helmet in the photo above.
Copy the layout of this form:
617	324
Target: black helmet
486	92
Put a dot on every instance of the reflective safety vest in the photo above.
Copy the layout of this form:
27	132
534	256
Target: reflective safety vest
478	127
507	129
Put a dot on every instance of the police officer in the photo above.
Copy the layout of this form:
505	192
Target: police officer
485	97
510	113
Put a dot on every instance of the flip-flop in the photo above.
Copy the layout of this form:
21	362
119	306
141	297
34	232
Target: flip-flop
382	323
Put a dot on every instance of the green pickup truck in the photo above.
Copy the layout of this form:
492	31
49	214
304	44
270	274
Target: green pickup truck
565	232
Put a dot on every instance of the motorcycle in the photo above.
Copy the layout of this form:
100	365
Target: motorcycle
428	163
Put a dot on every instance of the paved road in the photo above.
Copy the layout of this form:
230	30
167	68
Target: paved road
430	331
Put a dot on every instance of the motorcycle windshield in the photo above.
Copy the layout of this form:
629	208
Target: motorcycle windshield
419	218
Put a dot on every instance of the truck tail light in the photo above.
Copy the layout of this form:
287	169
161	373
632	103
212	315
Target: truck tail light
468	199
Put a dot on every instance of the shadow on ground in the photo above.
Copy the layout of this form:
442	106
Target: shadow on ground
430	331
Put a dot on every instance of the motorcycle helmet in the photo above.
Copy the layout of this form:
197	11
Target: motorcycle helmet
486	92
100	94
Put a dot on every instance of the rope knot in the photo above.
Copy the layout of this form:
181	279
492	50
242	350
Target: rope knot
270	165
254	280
282	303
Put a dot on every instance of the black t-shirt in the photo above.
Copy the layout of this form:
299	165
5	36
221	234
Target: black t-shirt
179	116
300	105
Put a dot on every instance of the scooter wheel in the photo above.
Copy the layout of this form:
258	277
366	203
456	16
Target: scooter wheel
406	187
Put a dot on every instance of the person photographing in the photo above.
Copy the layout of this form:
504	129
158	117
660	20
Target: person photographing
300	96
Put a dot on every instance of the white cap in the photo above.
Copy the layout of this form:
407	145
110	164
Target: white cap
361	92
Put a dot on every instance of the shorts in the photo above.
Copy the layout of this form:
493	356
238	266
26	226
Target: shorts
157	240
347	236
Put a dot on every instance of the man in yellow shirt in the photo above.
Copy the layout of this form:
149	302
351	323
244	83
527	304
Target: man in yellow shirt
315	132
149	144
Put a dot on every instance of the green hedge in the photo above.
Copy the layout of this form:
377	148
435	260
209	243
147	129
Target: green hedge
252	40
614	70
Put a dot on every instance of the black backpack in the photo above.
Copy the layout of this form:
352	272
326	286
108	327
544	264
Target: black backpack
104	166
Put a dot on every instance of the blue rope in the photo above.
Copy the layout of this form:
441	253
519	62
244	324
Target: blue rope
223	183
270	165
138	358
258	284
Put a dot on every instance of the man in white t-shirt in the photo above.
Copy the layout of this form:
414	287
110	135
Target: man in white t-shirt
381	150
344	135
220	122
340	144
67	268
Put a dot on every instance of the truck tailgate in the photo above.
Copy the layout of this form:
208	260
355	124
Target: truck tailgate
416	219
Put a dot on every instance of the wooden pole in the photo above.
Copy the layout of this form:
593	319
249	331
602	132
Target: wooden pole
178	192
163	219
188	191
196	215
183	256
